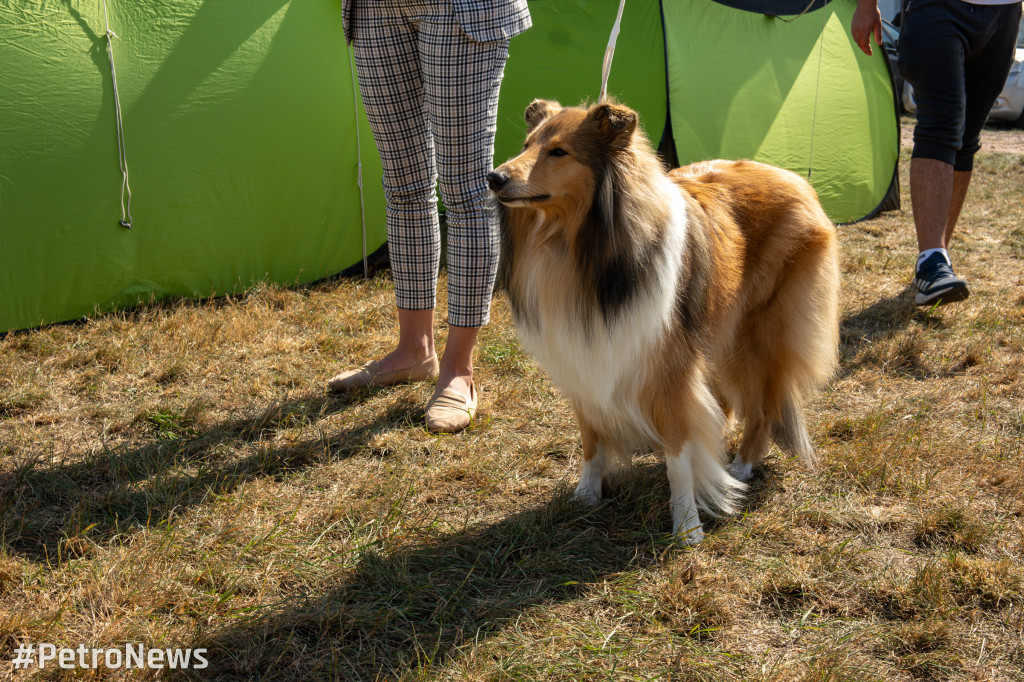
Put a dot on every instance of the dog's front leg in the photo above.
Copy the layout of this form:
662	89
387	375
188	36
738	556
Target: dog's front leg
595	462
686	525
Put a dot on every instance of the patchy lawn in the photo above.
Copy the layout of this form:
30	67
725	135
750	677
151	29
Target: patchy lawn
177	476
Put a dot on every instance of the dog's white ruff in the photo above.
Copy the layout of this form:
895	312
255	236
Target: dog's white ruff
602	370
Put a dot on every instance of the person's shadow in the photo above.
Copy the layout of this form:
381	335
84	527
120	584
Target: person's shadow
393	609
882	319
52	512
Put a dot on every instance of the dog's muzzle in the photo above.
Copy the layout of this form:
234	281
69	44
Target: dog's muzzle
496	180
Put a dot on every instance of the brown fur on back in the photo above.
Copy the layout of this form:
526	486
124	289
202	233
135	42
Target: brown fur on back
777	286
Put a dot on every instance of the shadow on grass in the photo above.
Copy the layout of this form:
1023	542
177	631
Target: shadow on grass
51	513
404	612
881	320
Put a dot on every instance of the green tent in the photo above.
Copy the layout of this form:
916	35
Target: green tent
779	81
239	122
244	140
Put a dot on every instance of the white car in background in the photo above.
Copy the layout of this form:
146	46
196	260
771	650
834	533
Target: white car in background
1009	105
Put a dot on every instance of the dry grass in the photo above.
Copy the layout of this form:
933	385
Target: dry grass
177	476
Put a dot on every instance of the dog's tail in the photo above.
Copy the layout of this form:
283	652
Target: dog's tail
716	491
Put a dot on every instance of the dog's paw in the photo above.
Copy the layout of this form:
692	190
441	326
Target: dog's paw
686	524
587	494
741	471
689	536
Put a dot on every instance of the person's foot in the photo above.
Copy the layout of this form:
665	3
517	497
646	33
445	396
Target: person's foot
450	410
375	373
936	283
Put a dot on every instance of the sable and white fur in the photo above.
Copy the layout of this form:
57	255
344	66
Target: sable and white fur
659	303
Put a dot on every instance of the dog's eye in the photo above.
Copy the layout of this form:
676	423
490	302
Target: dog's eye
558	151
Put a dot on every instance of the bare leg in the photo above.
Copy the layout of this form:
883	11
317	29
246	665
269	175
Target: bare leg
961	181
416	344
931	195
456	370
415	340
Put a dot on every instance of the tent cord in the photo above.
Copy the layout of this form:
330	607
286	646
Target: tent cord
126	190
606	67
359	160
802	12
817	89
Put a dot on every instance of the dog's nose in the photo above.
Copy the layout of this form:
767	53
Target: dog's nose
496	180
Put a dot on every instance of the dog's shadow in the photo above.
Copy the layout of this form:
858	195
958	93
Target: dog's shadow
405	612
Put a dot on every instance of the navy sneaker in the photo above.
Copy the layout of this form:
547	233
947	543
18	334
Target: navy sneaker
936	283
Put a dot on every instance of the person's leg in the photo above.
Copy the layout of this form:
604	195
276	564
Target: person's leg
391	84
989	56
961	182
462	79
931	58
931	197
934	184
933	50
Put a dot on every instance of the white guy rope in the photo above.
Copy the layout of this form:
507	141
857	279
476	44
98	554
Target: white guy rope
817	89
609	51
359	159
126	190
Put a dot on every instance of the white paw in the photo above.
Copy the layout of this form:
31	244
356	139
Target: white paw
741	471
686	524
587	494
689	536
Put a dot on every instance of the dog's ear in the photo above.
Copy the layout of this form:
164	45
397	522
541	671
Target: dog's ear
539	111
615	122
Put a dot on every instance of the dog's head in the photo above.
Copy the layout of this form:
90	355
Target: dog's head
564	155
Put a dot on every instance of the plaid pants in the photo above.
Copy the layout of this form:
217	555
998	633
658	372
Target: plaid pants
431	96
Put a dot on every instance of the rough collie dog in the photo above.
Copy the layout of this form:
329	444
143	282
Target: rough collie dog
660	303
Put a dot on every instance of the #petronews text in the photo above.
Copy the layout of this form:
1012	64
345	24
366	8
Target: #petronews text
130	656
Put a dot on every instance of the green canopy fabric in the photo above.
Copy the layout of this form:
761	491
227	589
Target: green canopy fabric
794	92
240	131
241	117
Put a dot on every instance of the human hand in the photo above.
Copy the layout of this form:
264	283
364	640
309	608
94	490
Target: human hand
866	21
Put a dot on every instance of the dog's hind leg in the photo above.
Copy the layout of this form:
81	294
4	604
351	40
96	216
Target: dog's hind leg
756	431
787	430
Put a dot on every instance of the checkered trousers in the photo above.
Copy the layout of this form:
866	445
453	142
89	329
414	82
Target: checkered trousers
431	96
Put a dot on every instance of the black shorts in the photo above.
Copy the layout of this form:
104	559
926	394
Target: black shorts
957	56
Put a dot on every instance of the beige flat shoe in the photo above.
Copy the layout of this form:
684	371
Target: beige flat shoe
449	411
369	375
